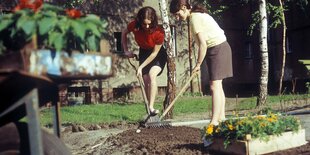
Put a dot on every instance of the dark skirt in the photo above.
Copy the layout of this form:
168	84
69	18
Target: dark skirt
160	60
219	61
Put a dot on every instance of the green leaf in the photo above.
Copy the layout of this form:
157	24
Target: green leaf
92	18
79	29
20	22
49	13
93	28
104	24
56	40
46	24
63	24
6	16
29	27
5	23
26	24
50	7
92	44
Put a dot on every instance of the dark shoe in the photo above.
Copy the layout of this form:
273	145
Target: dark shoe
154	112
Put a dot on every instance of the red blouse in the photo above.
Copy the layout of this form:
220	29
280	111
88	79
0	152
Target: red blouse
147	40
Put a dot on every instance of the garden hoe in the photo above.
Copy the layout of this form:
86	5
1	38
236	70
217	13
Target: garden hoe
161	123
149	118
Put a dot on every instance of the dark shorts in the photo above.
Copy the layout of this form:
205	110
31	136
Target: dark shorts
160	60
219	61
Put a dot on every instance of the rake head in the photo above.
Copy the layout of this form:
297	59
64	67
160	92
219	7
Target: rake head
154	122
159	124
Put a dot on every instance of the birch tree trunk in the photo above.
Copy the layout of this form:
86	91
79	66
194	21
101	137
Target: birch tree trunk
263	84
171	70
283	47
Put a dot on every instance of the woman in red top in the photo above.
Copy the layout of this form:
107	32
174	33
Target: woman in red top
152	56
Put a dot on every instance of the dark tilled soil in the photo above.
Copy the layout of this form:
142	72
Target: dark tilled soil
173	140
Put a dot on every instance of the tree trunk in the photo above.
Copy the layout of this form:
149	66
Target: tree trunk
283	47
190	58
171	70
263	83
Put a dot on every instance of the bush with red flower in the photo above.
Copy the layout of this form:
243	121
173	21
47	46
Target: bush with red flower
54	27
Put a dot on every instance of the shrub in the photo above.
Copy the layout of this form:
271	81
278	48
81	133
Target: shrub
54	27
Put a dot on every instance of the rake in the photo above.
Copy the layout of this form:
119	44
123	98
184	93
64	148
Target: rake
161	123
148	118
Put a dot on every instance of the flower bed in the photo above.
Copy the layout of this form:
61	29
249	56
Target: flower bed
255	134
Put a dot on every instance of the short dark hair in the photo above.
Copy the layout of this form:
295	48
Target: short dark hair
147	13
176	5
199	8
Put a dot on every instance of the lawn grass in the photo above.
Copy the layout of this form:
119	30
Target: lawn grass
131	113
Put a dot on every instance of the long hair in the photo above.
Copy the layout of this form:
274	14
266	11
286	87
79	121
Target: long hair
176	5
147	13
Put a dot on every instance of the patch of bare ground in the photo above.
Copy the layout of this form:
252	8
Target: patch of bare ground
121	138
172	140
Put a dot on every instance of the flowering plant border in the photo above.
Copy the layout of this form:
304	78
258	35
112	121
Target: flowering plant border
257	126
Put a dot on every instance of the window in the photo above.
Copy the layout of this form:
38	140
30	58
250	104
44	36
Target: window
118	42
248	52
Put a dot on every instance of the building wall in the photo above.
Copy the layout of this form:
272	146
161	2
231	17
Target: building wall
124	75
235	22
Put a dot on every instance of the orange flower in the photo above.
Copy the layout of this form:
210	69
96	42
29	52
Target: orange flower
27	4
73	13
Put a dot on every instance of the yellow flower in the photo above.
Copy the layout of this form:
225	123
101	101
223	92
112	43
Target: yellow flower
260	117
209	130
271	119
273	116
262	124
230	127
240	122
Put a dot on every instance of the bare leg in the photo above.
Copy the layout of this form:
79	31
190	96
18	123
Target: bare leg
218	102
146	81
153	85
222	114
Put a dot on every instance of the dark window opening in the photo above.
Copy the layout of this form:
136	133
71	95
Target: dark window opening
248	52
118	42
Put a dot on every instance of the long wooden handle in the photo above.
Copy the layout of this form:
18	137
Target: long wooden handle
179	94
140	80
144	94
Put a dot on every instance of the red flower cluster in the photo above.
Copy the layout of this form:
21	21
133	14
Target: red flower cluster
29	4
73	13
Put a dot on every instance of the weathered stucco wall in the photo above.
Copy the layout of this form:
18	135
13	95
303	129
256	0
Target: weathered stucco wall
124	74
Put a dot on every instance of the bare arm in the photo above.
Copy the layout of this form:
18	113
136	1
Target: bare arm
202	51
125	32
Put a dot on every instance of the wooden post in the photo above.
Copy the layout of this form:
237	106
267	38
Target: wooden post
190	54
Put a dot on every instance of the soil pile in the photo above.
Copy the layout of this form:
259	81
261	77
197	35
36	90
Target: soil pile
173	140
